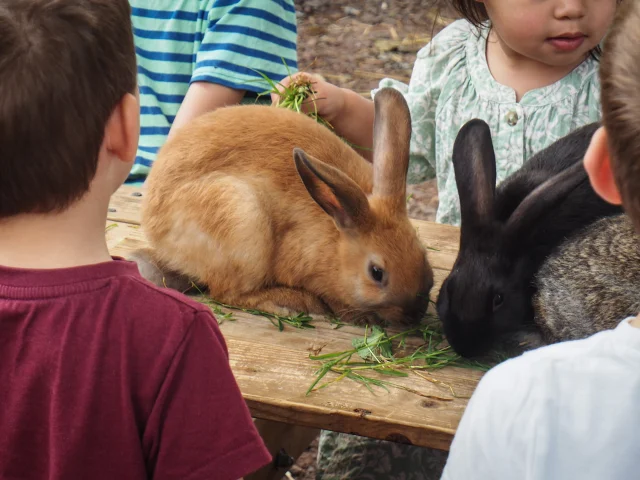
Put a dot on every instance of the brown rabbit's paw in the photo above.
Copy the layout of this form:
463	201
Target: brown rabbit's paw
361	319
283	301
271	307
353	315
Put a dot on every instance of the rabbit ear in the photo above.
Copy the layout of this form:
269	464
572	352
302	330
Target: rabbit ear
334	191
474	164
542	199
391	138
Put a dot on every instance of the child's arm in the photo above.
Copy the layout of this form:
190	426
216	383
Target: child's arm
241	41
355	122
204	97
350	114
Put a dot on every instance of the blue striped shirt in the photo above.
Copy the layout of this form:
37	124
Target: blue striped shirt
228	42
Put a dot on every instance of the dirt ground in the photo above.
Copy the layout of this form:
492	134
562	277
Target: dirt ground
354	44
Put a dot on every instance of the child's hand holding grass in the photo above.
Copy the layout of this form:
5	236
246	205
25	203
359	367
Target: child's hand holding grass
324	99
348	114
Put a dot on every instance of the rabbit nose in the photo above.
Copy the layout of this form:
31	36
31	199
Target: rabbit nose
416	308
468	339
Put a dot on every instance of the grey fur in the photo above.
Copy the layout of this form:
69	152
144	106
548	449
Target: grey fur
590	283
159	276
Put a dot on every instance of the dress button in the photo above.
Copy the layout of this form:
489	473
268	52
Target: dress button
512	118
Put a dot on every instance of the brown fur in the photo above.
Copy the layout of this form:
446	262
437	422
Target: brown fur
229	206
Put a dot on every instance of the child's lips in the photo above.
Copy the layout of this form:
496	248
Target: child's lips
567	42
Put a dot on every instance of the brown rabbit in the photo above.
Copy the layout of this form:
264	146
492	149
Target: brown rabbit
271	210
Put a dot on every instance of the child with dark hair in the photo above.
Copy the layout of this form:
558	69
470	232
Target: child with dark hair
570	410
103	375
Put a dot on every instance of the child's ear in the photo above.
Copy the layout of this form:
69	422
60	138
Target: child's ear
123	129
597	162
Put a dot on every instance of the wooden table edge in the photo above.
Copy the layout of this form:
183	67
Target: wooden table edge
356	423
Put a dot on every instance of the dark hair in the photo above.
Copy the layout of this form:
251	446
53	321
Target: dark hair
471	10
64	66
620	81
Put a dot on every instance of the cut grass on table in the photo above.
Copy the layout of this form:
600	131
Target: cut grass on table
374	353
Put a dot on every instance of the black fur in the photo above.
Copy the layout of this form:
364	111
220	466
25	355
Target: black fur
501	245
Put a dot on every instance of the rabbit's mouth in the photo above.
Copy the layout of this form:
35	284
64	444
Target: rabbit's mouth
410	314
383	316
415	314
469	339
360	316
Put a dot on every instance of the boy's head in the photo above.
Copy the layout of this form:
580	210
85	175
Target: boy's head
67	86
613	158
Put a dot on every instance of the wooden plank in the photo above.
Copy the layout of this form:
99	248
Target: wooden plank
441	242
124	238
117	233
125	205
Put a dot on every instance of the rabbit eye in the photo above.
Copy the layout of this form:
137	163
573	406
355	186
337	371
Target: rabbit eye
376	273
497	301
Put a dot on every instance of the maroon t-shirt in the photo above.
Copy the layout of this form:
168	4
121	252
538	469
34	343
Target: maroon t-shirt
104	376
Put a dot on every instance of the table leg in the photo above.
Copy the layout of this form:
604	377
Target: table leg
285	442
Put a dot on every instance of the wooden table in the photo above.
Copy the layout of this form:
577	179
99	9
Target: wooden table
274	371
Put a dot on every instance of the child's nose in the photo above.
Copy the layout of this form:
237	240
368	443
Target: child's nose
570	9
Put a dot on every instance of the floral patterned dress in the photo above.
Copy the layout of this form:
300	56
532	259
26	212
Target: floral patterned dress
451	84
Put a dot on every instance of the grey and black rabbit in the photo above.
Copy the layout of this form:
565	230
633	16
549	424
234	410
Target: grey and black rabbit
507	233
589	283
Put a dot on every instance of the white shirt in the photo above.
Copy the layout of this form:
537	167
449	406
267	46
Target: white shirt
566	411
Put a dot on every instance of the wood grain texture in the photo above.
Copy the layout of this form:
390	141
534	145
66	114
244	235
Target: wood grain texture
125	205
274	370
